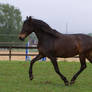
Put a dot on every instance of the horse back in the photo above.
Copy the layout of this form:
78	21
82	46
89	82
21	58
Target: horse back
72	44
84	42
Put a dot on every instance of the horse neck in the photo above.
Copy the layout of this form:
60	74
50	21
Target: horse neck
43	35
43	30
40	35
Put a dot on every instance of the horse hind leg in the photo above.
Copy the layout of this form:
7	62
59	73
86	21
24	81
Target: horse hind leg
83	66
89	56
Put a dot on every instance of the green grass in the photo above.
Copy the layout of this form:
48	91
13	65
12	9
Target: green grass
14	77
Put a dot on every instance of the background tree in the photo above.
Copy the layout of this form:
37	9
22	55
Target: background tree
10	23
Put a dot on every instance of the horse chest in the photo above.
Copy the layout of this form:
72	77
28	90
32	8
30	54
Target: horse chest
46	48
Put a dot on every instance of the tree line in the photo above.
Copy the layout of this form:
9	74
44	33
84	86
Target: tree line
10	24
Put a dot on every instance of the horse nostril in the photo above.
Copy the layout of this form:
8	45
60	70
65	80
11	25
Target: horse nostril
22	39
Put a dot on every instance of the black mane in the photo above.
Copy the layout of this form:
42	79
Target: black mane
45	27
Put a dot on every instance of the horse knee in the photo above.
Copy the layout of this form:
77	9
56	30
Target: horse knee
83	67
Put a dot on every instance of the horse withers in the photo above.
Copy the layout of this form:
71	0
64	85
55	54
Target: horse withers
53	44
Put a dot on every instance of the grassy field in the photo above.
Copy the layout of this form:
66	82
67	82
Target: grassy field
14	77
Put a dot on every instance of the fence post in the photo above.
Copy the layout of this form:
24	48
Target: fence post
44	59
27	52
10	53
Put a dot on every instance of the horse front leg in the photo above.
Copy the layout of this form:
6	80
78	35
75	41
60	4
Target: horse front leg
54	62
83	66
38	57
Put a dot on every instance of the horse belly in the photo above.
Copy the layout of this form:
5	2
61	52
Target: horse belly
66	54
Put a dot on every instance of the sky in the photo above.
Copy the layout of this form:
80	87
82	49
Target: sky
66	16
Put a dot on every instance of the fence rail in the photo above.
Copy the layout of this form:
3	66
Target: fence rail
17	47
10	54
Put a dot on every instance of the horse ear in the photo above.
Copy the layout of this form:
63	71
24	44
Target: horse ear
27	17
30	18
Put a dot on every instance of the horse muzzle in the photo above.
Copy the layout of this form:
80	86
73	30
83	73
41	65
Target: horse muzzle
22	37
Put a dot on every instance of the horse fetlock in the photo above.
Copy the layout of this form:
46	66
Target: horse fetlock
72	82
66	83
31	77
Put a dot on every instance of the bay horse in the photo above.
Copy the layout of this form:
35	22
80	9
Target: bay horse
53	44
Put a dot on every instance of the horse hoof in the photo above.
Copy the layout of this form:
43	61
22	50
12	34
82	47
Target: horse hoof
31	78
72	82
66	83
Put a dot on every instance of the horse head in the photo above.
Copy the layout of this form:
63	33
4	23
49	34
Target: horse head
27	28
